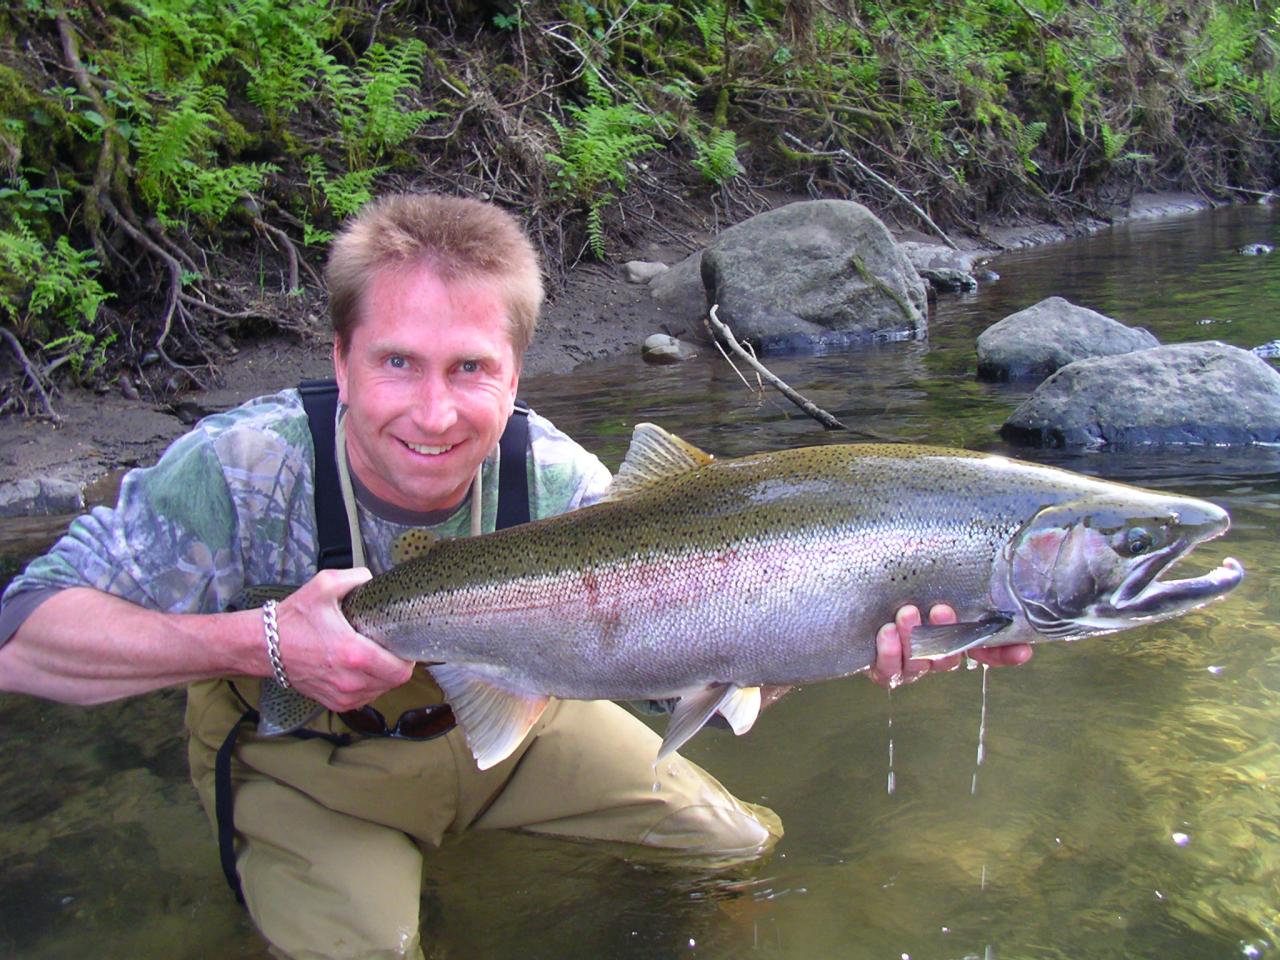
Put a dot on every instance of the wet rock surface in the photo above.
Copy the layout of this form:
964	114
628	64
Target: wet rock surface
1190	393
1046	336
812	267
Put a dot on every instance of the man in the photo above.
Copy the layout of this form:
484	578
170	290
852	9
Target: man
434	301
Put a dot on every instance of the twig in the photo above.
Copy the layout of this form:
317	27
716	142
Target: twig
846	155
808	406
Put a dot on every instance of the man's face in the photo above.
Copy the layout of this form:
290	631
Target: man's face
429	379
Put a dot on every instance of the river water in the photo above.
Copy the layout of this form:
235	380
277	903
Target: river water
1127	802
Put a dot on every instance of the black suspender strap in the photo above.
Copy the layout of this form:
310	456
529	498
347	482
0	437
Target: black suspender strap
513	470
320	399
222	804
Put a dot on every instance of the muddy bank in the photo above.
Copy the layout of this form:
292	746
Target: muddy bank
597	315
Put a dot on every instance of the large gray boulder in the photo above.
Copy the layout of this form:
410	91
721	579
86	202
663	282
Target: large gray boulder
1049	335
813	267
1187	393
678	294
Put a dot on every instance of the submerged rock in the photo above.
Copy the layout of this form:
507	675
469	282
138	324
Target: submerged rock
661	348
1189	393
945	269
812	267
1049	335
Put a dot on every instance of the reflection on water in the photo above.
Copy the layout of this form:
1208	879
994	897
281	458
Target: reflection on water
1127	803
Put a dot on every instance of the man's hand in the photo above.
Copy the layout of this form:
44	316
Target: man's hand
323	656
894	666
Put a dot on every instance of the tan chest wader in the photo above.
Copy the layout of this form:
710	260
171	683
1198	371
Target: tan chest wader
320	399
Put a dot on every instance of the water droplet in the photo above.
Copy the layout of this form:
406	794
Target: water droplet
891	784
1181	839
1250	950
1216	670
692	943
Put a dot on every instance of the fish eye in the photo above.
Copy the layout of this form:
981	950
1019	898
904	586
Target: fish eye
1137	542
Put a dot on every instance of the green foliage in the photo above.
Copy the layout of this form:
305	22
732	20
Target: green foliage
716	157
595	151
281	48
54	290
371	103
343	195
187	116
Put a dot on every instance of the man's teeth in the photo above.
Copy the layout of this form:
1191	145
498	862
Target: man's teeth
427	450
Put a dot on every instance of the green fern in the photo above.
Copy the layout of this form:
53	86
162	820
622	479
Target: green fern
1028	137
345	194
716	157
176	140
594	155
279	46
53	290
370	101
210	194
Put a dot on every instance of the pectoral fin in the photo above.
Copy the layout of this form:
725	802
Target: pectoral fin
282	711
930	641
738	705
494	721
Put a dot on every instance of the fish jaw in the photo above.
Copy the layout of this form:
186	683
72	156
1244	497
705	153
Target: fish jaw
1093	566
1143	597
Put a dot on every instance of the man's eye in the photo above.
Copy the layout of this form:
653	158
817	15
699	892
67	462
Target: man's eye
469	366
397	362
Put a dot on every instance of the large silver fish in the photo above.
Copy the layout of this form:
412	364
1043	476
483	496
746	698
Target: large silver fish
704	579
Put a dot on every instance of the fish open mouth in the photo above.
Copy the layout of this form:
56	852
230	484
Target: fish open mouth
1143	595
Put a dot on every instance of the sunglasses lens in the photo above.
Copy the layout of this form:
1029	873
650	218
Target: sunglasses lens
425	723
366	721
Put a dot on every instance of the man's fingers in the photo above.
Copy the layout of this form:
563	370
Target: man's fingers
1007	656
888	663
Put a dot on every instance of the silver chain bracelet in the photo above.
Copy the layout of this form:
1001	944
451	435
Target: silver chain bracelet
272	631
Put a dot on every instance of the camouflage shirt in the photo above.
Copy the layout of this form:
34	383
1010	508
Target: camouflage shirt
231	504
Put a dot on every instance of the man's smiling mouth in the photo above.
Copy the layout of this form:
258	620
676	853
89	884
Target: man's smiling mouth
427	449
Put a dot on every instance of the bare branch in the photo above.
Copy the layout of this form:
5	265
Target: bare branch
808	406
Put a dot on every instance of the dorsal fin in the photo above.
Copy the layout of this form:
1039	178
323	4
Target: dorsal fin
412	544
654	455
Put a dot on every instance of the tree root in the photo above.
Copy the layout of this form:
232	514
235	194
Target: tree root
33	375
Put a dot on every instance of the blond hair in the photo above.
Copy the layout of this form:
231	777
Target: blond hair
462	240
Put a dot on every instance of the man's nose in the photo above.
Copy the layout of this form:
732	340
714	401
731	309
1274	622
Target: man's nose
435	408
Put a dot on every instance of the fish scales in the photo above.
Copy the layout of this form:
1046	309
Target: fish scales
802	548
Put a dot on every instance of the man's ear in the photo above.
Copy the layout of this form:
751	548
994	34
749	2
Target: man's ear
340	370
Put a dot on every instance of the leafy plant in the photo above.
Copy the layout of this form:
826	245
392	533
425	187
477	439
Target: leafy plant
595	151
46	290
716	156
370	101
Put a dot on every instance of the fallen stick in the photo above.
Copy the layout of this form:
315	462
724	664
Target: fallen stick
808	406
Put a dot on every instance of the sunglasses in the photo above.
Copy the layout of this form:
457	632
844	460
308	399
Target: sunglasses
420	723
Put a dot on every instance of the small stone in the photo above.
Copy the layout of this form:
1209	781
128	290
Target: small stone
661	348
642	271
